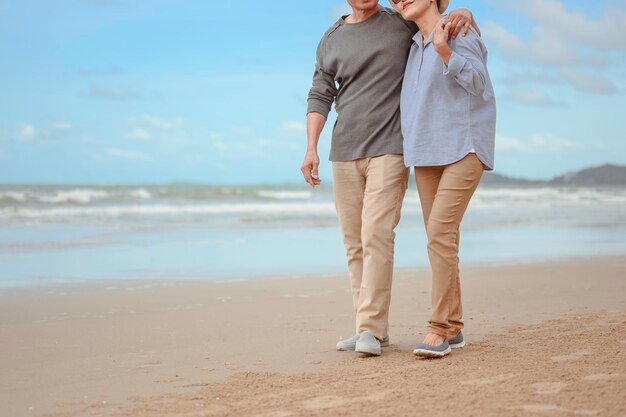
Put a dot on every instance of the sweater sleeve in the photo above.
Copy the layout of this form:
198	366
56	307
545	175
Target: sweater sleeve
468	63
324	90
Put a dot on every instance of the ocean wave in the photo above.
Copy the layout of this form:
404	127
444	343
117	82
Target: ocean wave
82	196
15	196
285	195
163	209
181	196
140	193
550	195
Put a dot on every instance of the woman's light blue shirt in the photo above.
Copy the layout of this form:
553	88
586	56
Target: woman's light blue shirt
448	111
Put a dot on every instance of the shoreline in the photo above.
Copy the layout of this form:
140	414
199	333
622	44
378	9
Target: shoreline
68	349
248	278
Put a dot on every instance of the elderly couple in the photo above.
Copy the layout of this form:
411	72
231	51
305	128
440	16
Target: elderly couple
404	98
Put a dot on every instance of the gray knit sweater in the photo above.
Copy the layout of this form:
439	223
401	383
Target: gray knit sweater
360	66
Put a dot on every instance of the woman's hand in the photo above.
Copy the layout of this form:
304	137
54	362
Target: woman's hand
441	36
461	19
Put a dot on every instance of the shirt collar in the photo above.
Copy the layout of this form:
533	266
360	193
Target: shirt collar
417	38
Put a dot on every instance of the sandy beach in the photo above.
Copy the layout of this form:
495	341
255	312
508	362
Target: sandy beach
544	338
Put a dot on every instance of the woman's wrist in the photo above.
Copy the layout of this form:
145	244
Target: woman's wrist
445	52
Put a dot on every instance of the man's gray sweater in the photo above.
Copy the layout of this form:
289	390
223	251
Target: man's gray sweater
360	66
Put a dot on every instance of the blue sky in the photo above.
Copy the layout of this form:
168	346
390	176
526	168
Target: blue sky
130	91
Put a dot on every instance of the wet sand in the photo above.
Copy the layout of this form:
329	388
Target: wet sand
544	338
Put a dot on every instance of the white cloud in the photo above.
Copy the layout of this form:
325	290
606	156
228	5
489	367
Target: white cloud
139	133
567	46
147	127
27	131
538	143
241	130
158	123
515	78
587	83
218	142
543	47
253	147
548	142
128	154
577	27
45	133
534	98
292	126
62	126
112	93
509	143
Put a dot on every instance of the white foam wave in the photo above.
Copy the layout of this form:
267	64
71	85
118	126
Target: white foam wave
550	195
81	196
17	196
285	195
140	193
156	210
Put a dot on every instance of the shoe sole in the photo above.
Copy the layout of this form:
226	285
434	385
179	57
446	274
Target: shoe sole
367	352
353	348
458	345
423	353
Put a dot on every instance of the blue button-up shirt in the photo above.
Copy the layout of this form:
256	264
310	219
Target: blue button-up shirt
448	111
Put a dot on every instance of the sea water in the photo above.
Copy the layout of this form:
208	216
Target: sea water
53	234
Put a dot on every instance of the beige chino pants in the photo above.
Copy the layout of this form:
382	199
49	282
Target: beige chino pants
445	192
368	198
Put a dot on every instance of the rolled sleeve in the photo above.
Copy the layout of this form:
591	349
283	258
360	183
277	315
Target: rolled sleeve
455	65
317	107
468	63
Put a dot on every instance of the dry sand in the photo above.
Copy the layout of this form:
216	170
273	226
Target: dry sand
545	338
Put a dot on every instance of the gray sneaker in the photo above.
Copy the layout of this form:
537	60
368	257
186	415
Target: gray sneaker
350	344
457	341
430	351
368	344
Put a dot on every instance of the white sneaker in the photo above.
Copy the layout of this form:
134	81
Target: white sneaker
350	344
368	344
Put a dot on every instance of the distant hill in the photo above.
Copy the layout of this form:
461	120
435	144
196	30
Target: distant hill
605	175
491	178
608	174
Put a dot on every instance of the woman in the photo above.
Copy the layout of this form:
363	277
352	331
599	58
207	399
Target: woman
448	124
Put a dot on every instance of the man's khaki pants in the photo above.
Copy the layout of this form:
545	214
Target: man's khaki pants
368	197
445	192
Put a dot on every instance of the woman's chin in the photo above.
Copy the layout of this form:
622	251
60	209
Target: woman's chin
407	15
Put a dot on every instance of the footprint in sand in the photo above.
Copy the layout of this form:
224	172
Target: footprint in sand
327	401
275	414
548	388
604	377
491	380
549	408
572	356
332	401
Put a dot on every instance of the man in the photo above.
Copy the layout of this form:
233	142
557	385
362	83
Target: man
360	66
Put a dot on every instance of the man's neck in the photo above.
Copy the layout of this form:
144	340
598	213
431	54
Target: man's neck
361	15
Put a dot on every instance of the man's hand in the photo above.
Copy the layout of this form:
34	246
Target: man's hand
441	35
461	19
309	168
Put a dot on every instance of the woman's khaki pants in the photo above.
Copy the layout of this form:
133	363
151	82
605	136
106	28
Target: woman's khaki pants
368	197
445	192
